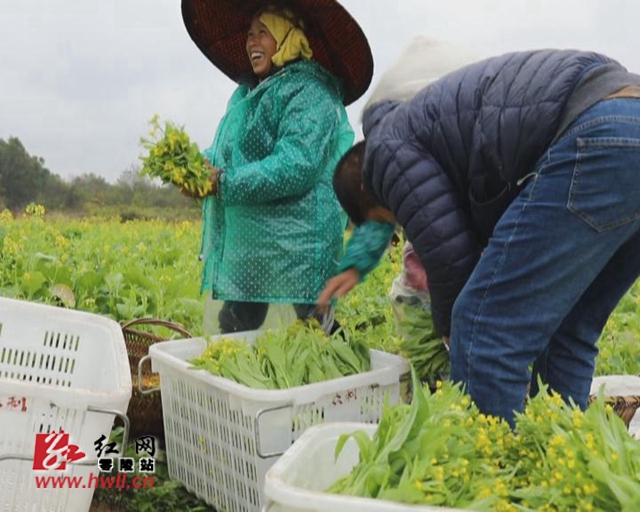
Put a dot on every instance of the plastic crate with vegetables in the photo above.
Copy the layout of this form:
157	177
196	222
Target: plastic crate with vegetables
234	403
441	452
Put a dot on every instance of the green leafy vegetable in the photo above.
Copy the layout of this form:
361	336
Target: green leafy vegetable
281	359
173	158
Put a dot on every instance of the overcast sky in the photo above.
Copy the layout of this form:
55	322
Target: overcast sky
80	78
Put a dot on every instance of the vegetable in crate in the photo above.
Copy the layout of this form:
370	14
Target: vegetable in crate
441	451
173	158
281	359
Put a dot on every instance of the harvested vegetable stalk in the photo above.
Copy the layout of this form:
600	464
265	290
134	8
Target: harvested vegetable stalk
175	159
302	354
420	343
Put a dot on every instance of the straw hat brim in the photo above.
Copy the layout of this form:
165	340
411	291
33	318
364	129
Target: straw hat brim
219	28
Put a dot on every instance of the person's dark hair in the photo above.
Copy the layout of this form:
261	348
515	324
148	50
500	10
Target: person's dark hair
349	186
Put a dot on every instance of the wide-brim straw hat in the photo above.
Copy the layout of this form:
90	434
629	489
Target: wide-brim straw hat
219	28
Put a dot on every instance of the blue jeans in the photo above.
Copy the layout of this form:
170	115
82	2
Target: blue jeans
561	257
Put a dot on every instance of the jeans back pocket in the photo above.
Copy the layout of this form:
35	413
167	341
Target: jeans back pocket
605	189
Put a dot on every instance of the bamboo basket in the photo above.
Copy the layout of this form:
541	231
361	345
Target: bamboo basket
624	406
145	411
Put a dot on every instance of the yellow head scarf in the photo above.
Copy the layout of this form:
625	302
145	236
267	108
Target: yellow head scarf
292	42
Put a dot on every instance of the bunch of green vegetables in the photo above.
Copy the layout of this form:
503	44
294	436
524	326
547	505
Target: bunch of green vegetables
173	158
420	342
442	451
285	358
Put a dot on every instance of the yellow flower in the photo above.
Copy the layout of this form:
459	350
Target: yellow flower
485	492
10	248
590	441
34	210
556	400
585	506
577	417
500	488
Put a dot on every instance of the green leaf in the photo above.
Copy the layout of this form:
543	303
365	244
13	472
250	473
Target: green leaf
32	282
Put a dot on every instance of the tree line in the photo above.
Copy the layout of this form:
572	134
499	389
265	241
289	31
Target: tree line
24	179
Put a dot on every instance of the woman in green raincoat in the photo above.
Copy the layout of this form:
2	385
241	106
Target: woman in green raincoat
272	227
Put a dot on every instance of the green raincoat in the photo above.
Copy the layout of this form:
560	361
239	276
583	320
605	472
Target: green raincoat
274	231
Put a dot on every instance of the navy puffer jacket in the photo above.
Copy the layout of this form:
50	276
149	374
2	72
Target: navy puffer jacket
447	162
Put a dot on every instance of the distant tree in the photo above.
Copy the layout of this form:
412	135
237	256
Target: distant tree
91	189
23	177
132	178
129	183
57	194
142	191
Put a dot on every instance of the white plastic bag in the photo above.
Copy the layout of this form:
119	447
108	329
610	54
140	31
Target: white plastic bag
424	61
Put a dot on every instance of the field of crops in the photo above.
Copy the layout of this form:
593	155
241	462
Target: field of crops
151	269
128	270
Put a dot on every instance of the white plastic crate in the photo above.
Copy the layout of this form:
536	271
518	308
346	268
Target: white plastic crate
296	482
221	437
55	365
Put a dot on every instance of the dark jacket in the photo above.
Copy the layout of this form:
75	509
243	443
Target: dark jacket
447	162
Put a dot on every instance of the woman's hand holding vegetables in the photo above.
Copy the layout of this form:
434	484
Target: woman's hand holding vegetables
215	174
